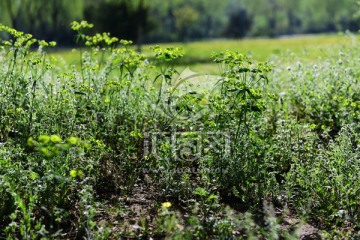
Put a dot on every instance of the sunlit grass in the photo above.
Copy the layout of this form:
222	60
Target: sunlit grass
197	54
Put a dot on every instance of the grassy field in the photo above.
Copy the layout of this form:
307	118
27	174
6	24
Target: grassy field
128	149
197	54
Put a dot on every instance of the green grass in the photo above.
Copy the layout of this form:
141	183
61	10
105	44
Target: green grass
311	46
197	54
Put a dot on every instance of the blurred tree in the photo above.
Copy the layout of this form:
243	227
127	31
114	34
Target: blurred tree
123	19
212	18
44	19
239	24
262	14
293	15
187	19
185	16
10	12
174	20
353	24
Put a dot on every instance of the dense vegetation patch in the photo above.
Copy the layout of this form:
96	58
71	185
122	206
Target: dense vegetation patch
126	146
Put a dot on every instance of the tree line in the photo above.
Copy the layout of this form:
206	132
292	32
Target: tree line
146	21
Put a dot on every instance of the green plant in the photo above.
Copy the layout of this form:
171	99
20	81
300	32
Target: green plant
256	138
329	183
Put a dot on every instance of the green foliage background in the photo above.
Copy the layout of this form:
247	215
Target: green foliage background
180	20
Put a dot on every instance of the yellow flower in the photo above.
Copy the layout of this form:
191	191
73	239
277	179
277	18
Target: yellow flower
166	205
73	173
73	140
44	138
203	101
30	142
55	139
